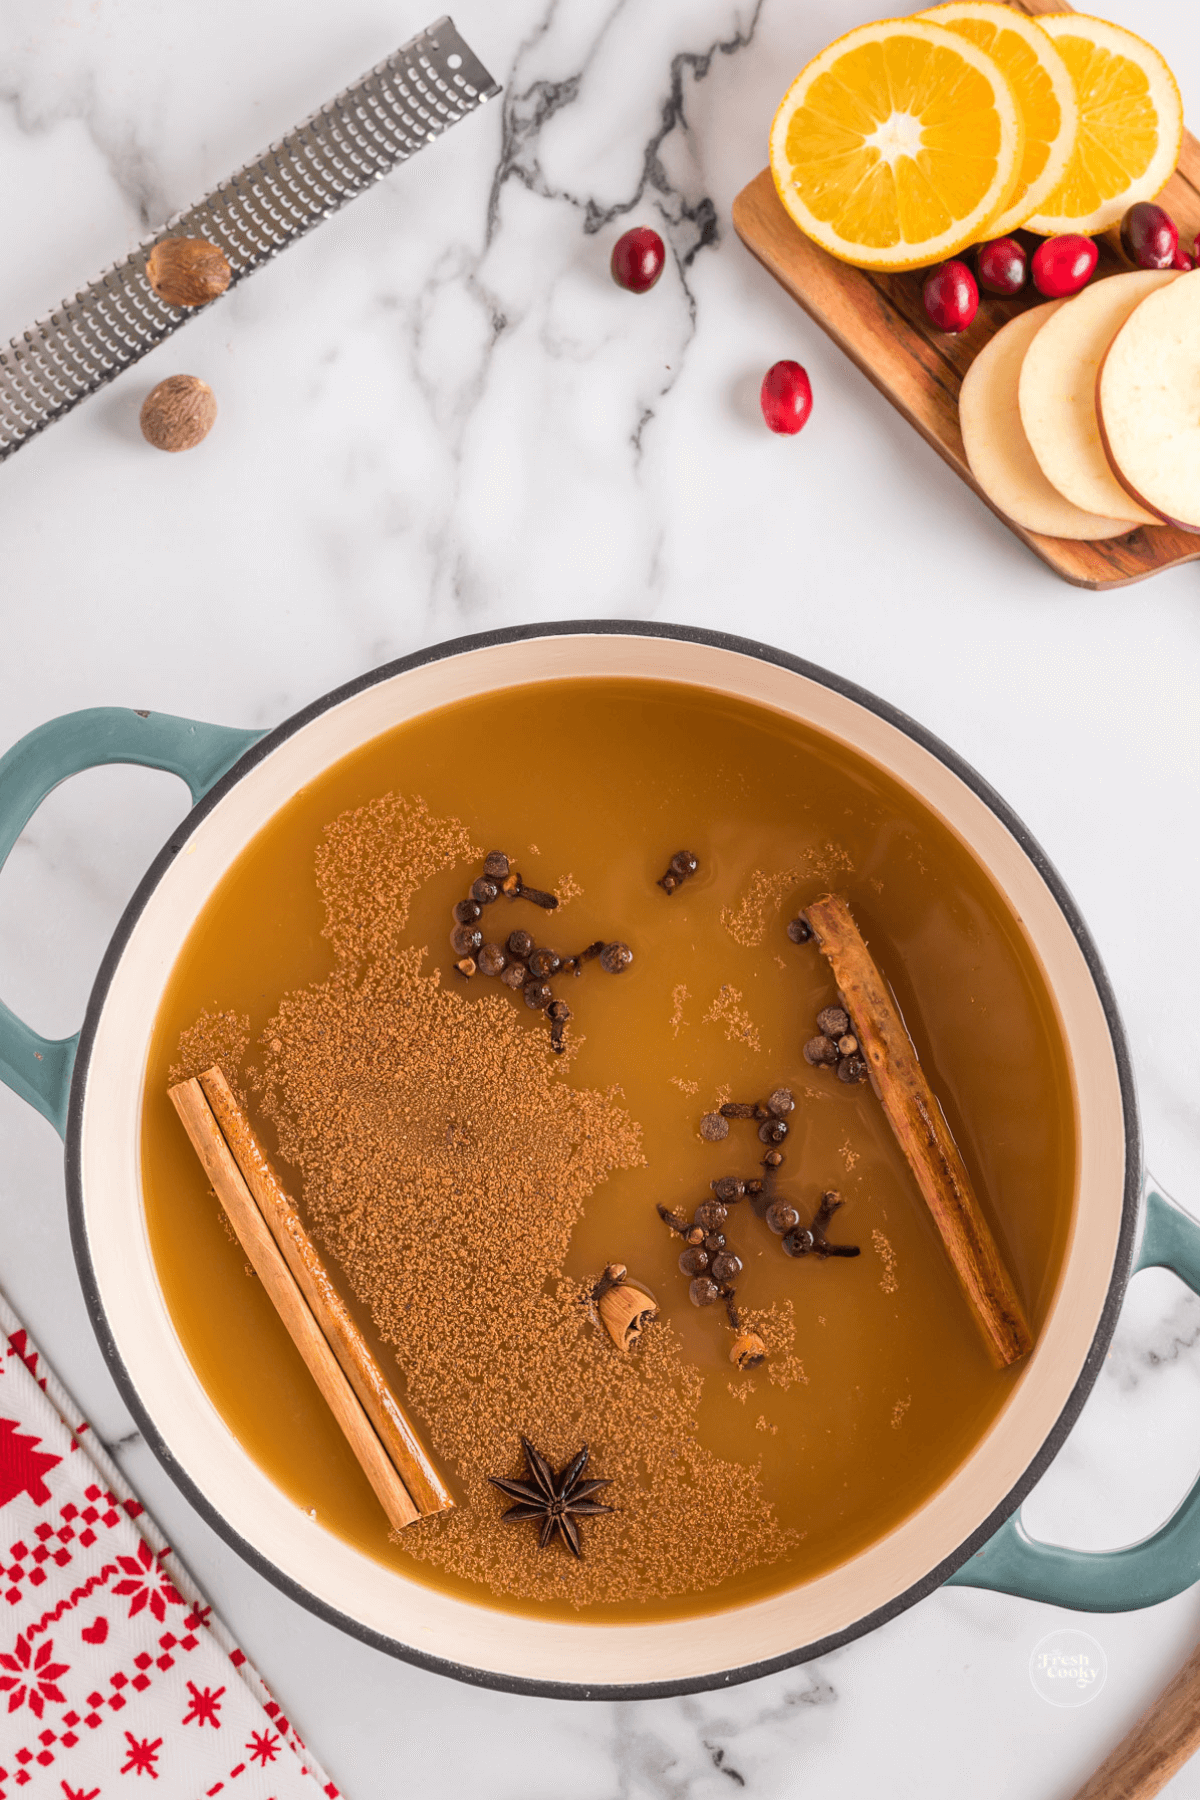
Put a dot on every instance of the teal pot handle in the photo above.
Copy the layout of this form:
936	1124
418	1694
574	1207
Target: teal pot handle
1163	1564
38	1068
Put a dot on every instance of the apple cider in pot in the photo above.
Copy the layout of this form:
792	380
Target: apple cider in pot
513	996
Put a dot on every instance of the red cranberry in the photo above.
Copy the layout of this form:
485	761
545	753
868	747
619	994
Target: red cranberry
1003	266
1182	260
1063	265
786	397
1149	237
637	259
951	297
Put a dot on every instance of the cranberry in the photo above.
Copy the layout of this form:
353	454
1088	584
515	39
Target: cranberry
951	297
1003	266
1063	265
1148	236
1182	260
786	397
637	259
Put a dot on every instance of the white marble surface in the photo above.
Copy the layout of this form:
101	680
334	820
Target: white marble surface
438	414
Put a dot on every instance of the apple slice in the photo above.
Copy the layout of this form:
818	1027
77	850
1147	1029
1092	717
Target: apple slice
1148	403
998	450
1057	392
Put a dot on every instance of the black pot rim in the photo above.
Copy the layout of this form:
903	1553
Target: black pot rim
642	1690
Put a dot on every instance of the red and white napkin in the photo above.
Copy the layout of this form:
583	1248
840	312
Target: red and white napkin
115	1677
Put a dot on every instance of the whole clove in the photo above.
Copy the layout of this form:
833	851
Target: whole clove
713	1127
811	1240
522	964
799	930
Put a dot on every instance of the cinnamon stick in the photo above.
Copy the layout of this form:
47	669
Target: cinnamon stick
408	1454
267	1261
920	1128
1157	1747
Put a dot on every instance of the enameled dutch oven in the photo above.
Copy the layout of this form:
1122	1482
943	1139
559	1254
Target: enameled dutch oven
90	1088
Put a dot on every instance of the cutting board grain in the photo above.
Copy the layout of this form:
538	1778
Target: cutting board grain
880	323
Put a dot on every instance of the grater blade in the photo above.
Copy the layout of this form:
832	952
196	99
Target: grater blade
392	112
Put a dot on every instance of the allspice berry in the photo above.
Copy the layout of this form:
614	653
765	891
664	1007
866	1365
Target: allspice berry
179	413
187	271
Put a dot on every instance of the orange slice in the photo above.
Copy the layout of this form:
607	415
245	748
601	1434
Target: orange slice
1045	93
897	145
1130	125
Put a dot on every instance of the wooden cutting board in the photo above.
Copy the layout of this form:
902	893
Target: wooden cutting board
880	323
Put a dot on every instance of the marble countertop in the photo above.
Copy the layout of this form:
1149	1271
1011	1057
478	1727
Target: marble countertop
438	414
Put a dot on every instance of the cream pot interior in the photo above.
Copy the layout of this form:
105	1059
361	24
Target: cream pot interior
344	1582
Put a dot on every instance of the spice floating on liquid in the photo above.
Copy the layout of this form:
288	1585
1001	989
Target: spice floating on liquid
625	1307
836	1047
810	1240
520	962
710	1263
681	866
920	1128
747	1350
554	1501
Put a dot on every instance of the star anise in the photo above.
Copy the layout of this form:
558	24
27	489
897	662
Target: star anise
557	1500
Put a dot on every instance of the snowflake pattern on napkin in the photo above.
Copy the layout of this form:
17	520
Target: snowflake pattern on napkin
115	1677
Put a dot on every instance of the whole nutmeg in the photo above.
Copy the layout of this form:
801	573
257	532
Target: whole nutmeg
187	271
179	413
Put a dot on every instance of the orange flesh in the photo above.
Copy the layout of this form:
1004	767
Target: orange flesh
608	778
